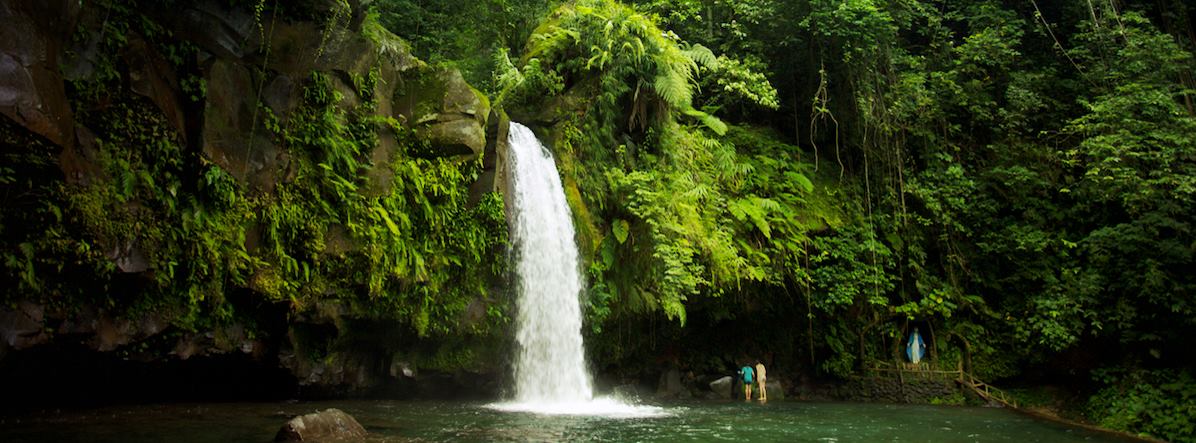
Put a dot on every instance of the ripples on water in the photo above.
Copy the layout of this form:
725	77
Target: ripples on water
478	422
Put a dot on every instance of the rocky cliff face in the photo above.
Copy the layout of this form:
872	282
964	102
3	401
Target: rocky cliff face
193	178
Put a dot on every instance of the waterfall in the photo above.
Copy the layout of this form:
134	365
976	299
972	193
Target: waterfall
550	366
550	369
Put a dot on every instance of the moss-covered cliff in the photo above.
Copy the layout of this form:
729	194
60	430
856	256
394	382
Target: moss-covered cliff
187	179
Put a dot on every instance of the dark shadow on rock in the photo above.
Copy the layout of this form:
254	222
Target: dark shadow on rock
32	92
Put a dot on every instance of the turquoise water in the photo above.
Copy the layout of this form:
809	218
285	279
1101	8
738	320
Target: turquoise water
406	421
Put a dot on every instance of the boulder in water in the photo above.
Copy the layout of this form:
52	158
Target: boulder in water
776	391
401	368
329	424
723	386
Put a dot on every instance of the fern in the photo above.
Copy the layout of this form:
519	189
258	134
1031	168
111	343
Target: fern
702	56
630	55
673	87
708	120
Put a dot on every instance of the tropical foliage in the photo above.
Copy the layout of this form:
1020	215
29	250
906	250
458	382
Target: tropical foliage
806	180
1013	178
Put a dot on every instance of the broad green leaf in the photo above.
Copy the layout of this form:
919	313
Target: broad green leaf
621	229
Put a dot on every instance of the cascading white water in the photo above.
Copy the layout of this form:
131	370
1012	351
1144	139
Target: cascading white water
550	370
551	362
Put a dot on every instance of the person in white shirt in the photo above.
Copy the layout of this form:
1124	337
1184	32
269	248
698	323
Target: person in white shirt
760	381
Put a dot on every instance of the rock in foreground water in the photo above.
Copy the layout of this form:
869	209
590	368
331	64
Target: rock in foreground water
329	424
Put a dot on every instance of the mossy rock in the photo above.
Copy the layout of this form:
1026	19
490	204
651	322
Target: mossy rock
445	111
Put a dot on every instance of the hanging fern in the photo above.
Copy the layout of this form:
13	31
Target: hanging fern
633	59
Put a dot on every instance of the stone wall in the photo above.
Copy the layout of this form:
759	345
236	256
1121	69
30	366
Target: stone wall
893	390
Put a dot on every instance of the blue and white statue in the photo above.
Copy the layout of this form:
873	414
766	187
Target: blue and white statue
915	349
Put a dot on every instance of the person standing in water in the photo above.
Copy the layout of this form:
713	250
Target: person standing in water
760	381
745	374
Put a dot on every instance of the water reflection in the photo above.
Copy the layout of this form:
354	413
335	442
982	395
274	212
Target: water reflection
478	422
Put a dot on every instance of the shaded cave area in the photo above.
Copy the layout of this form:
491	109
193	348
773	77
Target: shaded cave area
73	376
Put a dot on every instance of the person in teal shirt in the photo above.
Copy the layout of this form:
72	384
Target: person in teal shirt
745	374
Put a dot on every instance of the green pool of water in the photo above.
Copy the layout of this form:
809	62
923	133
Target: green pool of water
403	421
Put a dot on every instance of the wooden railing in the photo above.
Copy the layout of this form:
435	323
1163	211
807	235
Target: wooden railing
930	371
987	391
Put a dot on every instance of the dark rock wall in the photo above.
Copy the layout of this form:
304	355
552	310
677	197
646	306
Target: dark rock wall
234	74
32	42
